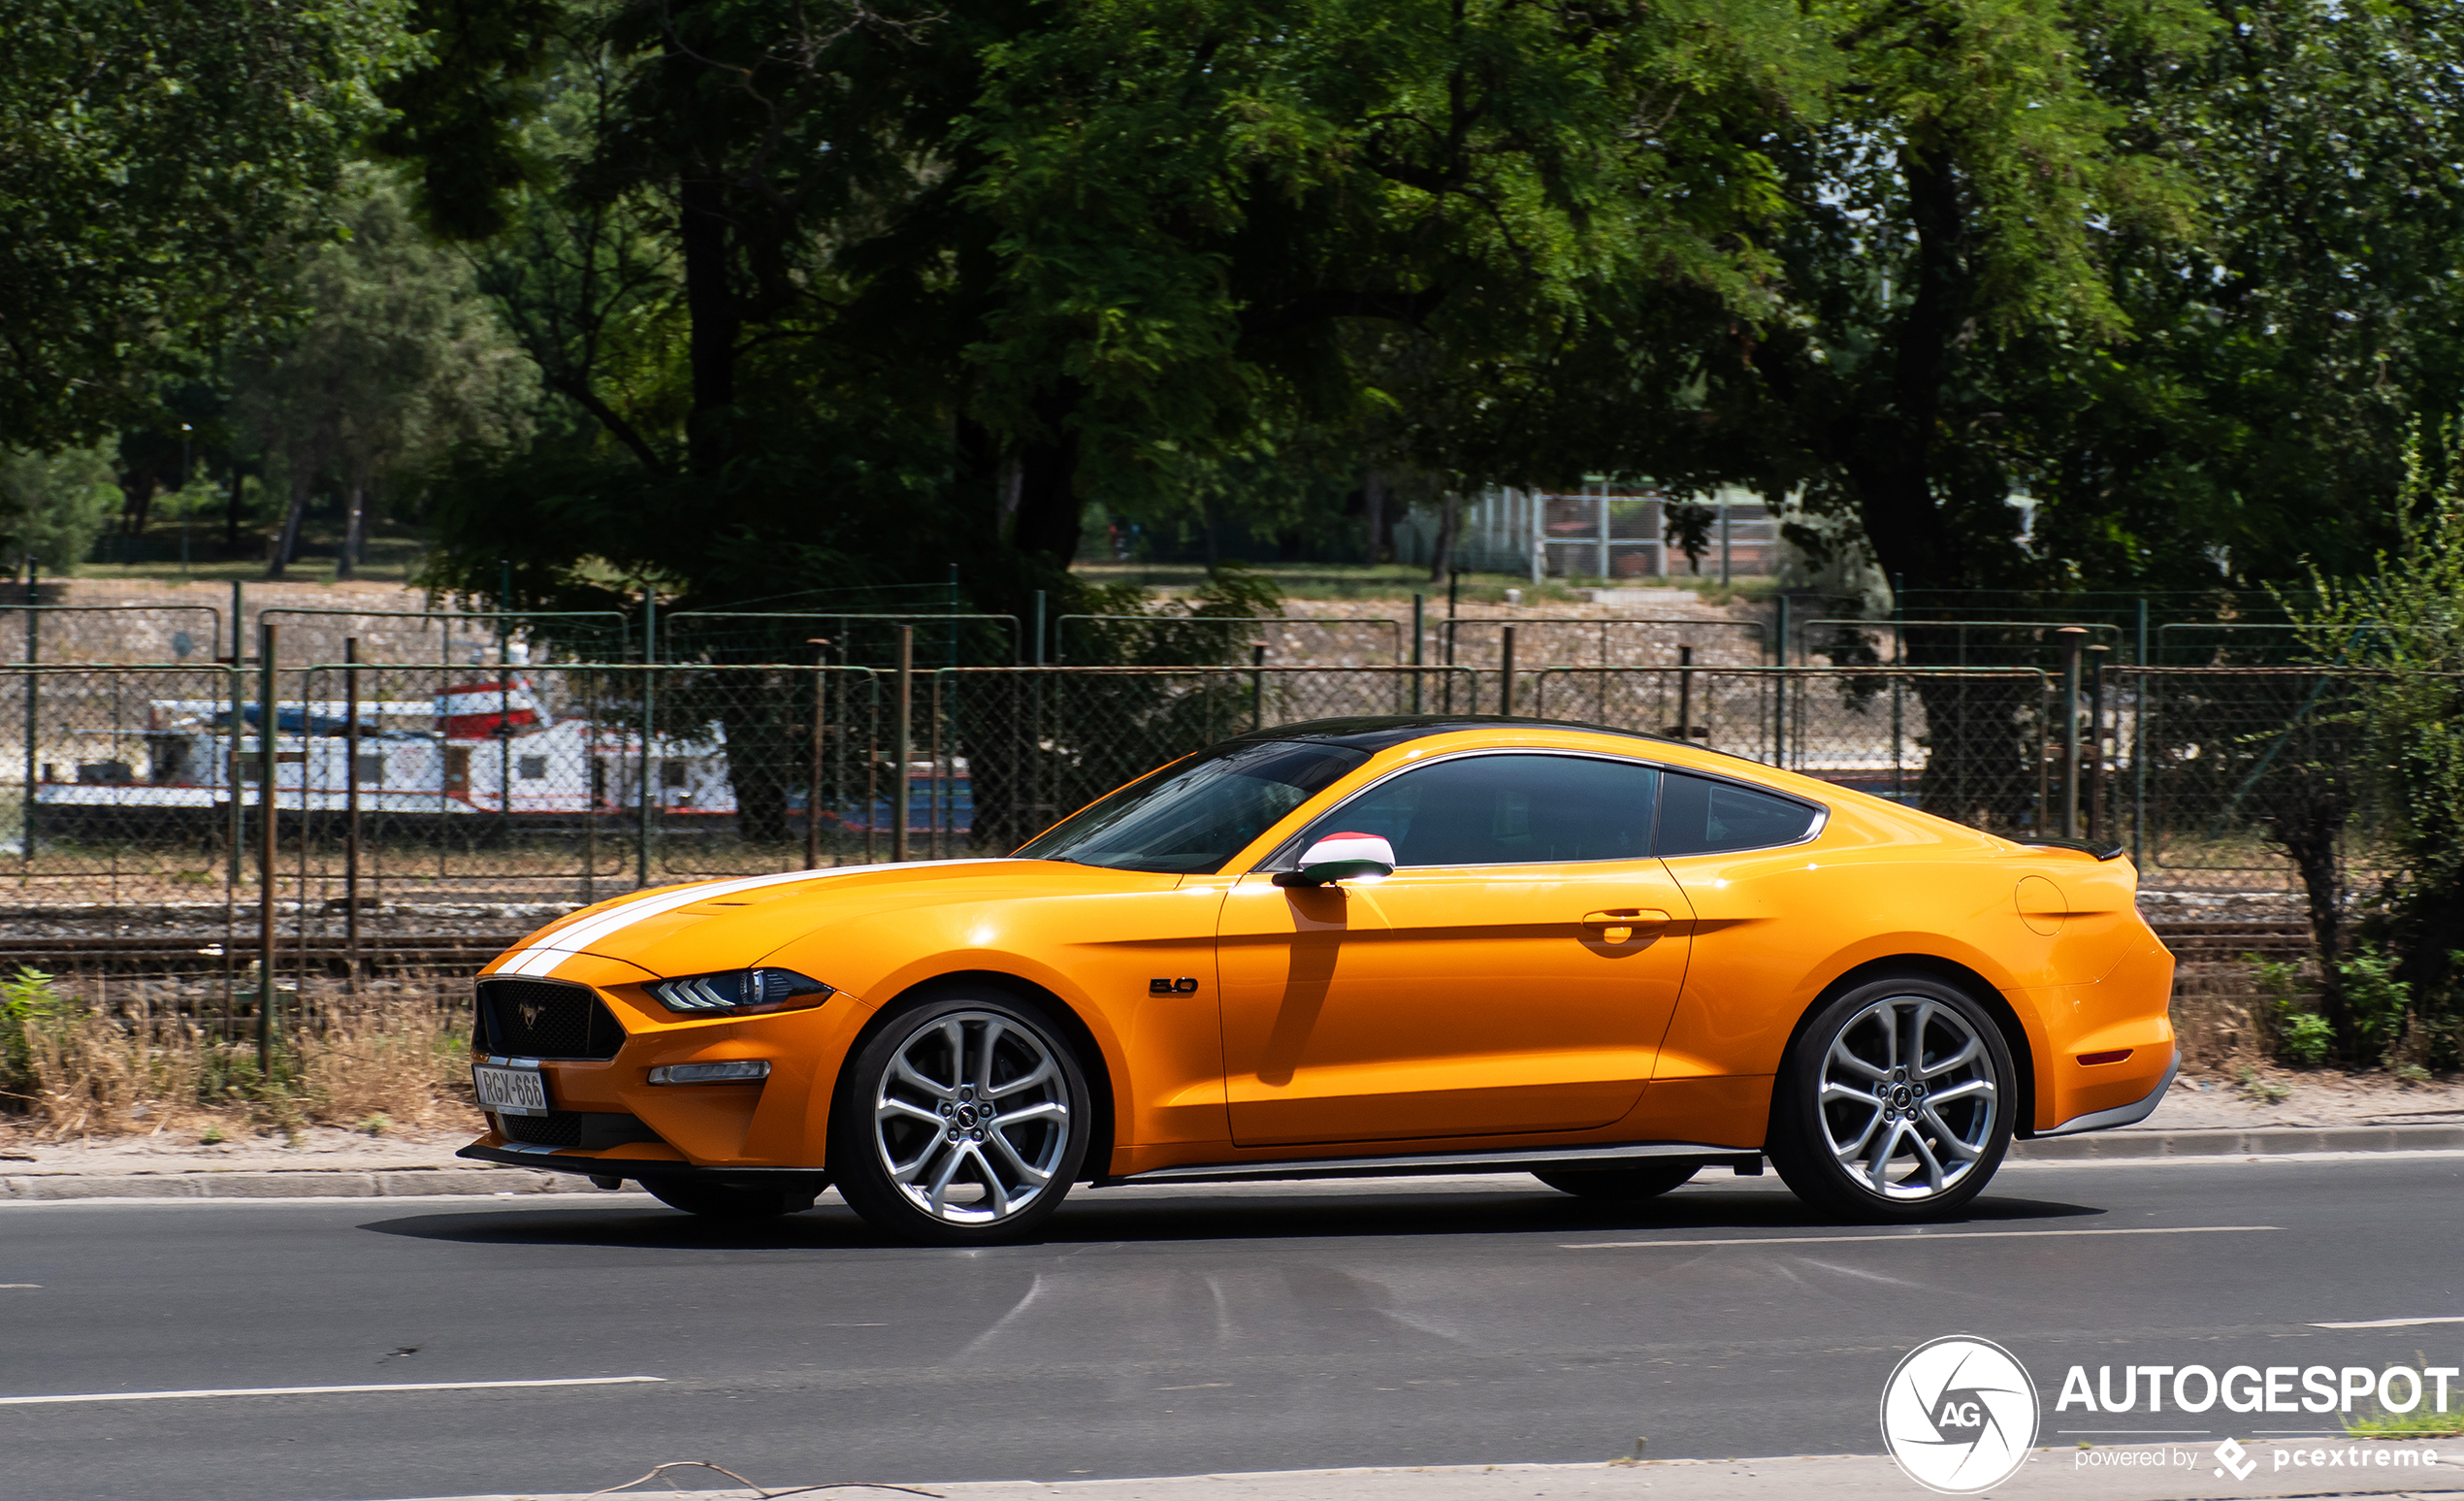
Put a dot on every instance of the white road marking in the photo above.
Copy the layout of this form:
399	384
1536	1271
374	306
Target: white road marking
2392	1323
1901	1240
320	1391
20	1284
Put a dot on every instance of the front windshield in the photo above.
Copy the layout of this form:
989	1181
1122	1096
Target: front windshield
1191	817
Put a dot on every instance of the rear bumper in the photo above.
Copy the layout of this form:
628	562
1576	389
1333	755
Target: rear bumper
2130	1114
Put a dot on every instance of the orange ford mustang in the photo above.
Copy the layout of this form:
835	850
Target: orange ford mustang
1353	947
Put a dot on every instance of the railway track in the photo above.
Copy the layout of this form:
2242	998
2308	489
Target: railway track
196	952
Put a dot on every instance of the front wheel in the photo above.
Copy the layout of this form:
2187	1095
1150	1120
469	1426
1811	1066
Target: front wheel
963	1123
1895	1101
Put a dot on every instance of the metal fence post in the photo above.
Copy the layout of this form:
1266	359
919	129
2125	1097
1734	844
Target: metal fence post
350	814
2095	756
904	743
649	694
2139	748
2071	636
1505	672
1419	638
935	784
1685	694
269	716
33	716
813	761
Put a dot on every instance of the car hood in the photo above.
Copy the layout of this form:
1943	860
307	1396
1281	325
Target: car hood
729	924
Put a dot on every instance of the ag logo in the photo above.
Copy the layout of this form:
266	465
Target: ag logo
531	1011
1958	1415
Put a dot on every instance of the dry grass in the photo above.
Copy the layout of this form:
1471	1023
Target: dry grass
80	1066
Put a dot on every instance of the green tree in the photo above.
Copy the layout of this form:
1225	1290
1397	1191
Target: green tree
2257	414
53	505
2394	632
153	154
396	358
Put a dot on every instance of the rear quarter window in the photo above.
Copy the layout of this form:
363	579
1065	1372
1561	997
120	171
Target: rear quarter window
1699	816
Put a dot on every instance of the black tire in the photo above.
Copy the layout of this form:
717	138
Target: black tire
733	1203
1943	1122
1646	1179
971	1177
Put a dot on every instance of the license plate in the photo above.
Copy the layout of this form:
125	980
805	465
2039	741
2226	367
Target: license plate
521	1092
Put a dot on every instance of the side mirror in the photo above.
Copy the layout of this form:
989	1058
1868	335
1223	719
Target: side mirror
1343	856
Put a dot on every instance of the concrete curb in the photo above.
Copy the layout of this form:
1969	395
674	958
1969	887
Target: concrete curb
501	1182
296	1183
2264	1141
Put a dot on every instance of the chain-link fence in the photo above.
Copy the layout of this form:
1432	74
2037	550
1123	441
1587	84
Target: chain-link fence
1146	640
1025	746
1538	643
1970	746
2243	775
558	782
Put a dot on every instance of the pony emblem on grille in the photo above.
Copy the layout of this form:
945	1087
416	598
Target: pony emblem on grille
530	1011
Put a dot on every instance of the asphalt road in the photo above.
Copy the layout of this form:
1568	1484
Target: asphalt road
1156	1332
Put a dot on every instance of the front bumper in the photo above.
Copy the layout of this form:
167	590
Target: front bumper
615	1165
2130	1114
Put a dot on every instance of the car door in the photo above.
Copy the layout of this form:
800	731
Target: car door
1514	974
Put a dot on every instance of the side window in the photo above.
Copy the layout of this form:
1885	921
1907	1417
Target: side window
1698	816
1497	810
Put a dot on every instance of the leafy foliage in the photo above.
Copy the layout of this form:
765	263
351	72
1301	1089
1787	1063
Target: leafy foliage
53	505
149	156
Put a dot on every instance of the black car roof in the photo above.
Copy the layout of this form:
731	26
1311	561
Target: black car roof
1379	731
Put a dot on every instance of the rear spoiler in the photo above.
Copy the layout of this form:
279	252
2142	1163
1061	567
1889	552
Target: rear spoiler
2102	849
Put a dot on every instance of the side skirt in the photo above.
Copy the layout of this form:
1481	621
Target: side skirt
1747	1163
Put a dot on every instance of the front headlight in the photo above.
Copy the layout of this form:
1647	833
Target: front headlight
740	993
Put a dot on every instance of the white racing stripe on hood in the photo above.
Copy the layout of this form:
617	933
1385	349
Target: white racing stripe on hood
540	957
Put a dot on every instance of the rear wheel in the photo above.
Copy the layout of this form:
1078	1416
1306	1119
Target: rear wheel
962	1122
731	1202
1895	1101
1648	1180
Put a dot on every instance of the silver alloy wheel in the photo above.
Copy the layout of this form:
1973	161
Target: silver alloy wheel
971	1117
1909	1098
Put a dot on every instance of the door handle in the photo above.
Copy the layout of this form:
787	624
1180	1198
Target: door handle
1618	925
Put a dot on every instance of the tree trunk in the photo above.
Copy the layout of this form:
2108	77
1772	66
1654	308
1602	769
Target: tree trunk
137	508
353	522
710	307
1449	521
302	478
1049	508
1373	500
1890	444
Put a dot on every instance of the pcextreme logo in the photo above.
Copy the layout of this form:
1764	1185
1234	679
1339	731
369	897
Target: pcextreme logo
1958	1415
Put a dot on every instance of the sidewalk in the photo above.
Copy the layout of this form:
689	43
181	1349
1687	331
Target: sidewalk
2084	1475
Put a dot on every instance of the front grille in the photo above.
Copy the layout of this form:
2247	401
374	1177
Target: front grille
546	1019
595	1130
556	1128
